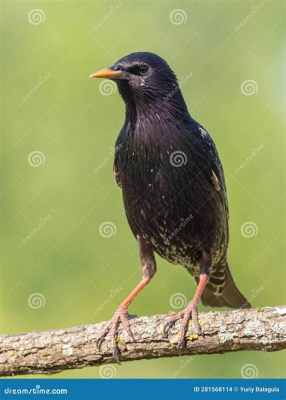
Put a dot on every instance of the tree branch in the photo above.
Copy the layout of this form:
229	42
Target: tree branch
54	351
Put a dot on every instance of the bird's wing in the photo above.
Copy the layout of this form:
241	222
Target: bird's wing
204	194
211	169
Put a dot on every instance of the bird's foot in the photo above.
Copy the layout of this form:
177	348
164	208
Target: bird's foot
120	315
188	314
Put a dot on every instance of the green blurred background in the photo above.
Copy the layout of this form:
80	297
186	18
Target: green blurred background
57	184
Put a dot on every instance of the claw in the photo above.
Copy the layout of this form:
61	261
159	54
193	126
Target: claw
112	326
115	355
99	343
169	324
190	312
126	325
102	335
166	328
179	348
197	328
130	333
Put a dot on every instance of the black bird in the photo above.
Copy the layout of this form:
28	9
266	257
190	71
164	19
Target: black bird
173	189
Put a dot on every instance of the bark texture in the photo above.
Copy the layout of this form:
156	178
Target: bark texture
57	350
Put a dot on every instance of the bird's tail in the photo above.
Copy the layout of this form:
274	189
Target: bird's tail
221	291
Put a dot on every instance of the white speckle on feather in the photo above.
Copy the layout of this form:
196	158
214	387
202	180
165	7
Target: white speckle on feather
203	132
215	181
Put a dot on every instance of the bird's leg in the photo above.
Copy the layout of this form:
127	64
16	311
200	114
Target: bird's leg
190	312
148	265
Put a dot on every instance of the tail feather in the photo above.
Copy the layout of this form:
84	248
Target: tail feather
228	294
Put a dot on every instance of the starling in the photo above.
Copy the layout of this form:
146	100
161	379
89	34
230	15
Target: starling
173	188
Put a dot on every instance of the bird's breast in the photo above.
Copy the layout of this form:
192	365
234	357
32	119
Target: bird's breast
154	208
166	196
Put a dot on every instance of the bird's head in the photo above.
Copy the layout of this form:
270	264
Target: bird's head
142	77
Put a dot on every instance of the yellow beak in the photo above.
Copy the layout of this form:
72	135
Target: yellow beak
106	73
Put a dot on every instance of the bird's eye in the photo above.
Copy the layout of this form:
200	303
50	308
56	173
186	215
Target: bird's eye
143	69
116	68
137	69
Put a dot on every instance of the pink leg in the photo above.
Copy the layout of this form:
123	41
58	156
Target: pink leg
121	315
190	312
